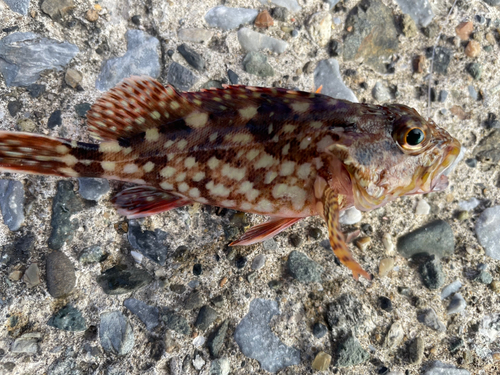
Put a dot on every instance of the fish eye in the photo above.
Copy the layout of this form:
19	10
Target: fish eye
414	137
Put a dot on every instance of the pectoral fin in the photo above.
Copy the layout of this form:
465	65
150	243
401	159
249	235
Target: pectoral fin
264	231
331	203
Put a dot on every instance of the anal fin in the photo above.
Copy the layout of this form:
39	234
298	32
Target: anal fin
331	209
265	231
142	201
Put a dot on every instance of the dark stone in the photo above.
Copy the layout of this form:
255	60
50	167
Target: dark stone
492	2
275	284
92	254
212	84
374	36
136	20
432	273
68	319
385	304
488	149
157	350
241	262
170	52
471	162
197	269
65	204
334	48
121	279
218	301
192	57
319	330
484	277
442	58
233	77
206	316
14	107
11	29
295	240
367	229
12	203
416	351
435	238
178	288
152	245
54	119
215	341
193	301
315	233
443	95
430	319
180	77
18	251
303	269
35	90
82	109
175	322
345	313
61	278
475	70
116	333
350	352
280	14
149	315
92	188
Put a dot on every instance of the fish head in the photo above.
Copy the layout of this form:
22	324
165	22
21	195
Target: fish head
392	153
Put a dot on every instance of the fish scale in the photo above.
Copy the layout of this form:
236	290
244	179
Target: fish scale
278	152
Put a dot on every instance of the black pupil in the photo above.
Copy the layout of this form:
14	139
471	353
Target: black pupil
414	137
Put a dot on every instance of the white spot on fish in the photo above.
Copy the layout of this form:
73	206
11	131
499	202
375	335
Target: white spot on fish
245	206
270	176
155	115
61	149
264	206
288	128
166	186
182	144
180	177
324	143
148	167
228	203
234	173
198	176
108	165
305	143
213	137
265	161
304	170
130	168
248	112
68	172
285	149
197	119
152	135
300	107
194	193
190	162
316	124
242	138
218	190
110	146
287	168
252	154
69	160
213	162
183	187
168	172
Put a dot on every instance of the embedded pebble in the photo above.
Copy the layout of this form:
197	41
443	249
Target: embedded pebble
432	273
32	275
55	119
264	19
350	352
151	244
435	238
228	18
256	340
423	208
61	278
192	57
73	78
381	93
473	48
256	63
419	10
319	330
195	35
36	90
198	362
68	318
443	95
475	70
386	265
469	205
81	110
457	304
484	277
27	343
488	231
220	366
439	368
57	9
451	289
18	6
416	350
233	77
258	262
199	341
18	251
193	301
141	58
291	5
123	279
115	333
321	361
252	41
464	29
395	336
431	320
26	55
149	315
216	340
180	77
91	254
303	269
319	27
442	58
92	188
351	216
12	203
345	313
388	243
327	74
472	92
175	322
206	317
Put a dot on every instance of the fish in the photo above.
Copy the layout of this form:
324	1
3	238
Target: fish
271	151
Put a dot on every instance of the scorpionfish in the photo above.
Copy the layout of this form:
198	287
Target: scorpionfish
282	153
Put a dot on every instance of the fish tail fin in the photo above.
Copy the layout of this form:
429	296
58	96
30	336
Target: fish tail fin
40	154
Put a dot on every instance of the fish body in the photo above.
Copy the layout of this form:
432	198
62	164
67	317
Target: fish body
276	152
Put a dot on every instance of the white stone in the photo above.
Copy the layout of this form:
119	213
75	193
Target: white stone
488	231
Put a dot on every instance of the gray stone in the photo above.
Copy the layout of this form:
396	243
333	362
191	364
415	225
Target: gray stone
23	56
152	245
442	58
345	313
350	352
451	289
256	340
193	301
149	315
332	3
64	205
92	188
27	343
18	251
492	2
18	6
439	368
68	319
303	269
431	320
175	322
141	58
61	278
258	262
216	340
195	35
180	77
192	57
91	254
419	10
484	277
220	367
319	330
381	93
115	333
64	366
472	92
12	203
35	90
252	41
457	304
432	273
55	119
291	5
122	279
416	351
57	9
488	231
32	275
256	63
327	74
488	149
81	110
205	318
475	70
435	238
228	18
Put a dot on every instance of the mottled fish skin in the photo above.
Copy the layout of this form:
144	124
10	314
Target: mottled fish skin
277	152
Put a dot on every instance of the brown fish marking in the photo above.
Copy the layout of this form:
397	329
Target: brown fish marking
277	152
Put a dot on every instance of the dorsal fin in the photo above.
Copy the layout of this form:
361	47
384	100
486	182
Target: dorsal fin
133	106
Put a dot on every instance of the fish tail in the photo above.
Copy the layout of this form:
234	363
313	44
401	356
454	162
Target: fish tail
40	154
